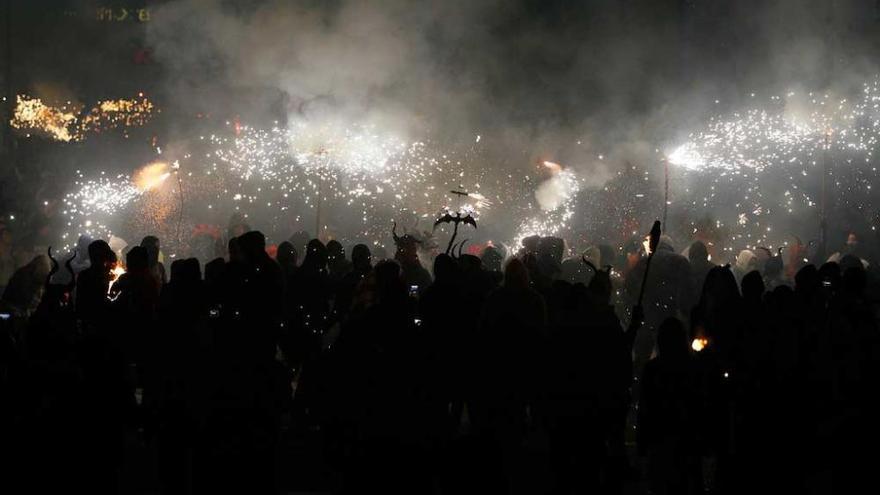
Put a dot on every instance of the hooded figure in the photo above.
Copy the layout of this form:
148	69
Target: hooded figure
407	255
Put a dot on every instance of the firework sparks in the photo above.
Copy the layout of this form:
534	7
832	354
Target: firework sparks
67	122
557	200
151	176
765	164
32	115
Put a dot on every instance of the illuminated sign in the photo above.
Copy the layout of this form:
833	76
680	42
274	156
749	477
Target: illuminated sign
122	14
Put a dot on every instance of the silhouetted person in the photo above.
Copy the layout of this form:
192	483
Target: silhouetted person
698	256
287	259
151	244
92	285
362	265
668	414
511	331
24	290
337	265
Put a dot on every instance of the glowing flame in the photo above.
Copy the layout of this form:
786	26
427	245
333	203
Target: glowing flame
116	272
554	167
151	176
699	344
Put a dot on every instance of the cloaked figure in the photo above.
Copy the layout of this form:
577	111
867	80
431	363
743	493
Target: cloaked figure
407	255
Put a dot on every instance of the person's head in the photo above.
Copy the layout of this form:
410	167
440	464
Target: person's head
233	247
672	340
848	261
574	271
852	242
530	243
698	254
445	269
361	259
316	255
214	270
286	255
137	259
807	279
720	287
253	245
389	284
551	248
151	244
100	254
192	270
753	286
177	272
829	275
774	266
854	281
407	248
335	251
666	244
82	245
746	261
516	275
237	225
299	239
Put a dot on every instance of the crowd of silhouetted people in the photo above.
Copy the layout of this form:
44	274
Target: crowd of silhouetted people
519	373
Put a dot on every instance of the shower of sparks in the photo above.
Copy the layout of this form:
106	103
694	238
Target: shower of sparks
555	221
357	178
68	123
762	168
748	179
32	115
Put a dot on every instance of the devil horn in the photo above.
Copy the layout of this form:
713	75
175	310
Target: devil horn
394	233
461	246
69	265
54	269
589	264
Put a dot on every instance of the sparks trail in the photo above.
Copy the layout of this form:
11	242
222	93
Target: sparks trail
272	172
67	122
762	167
